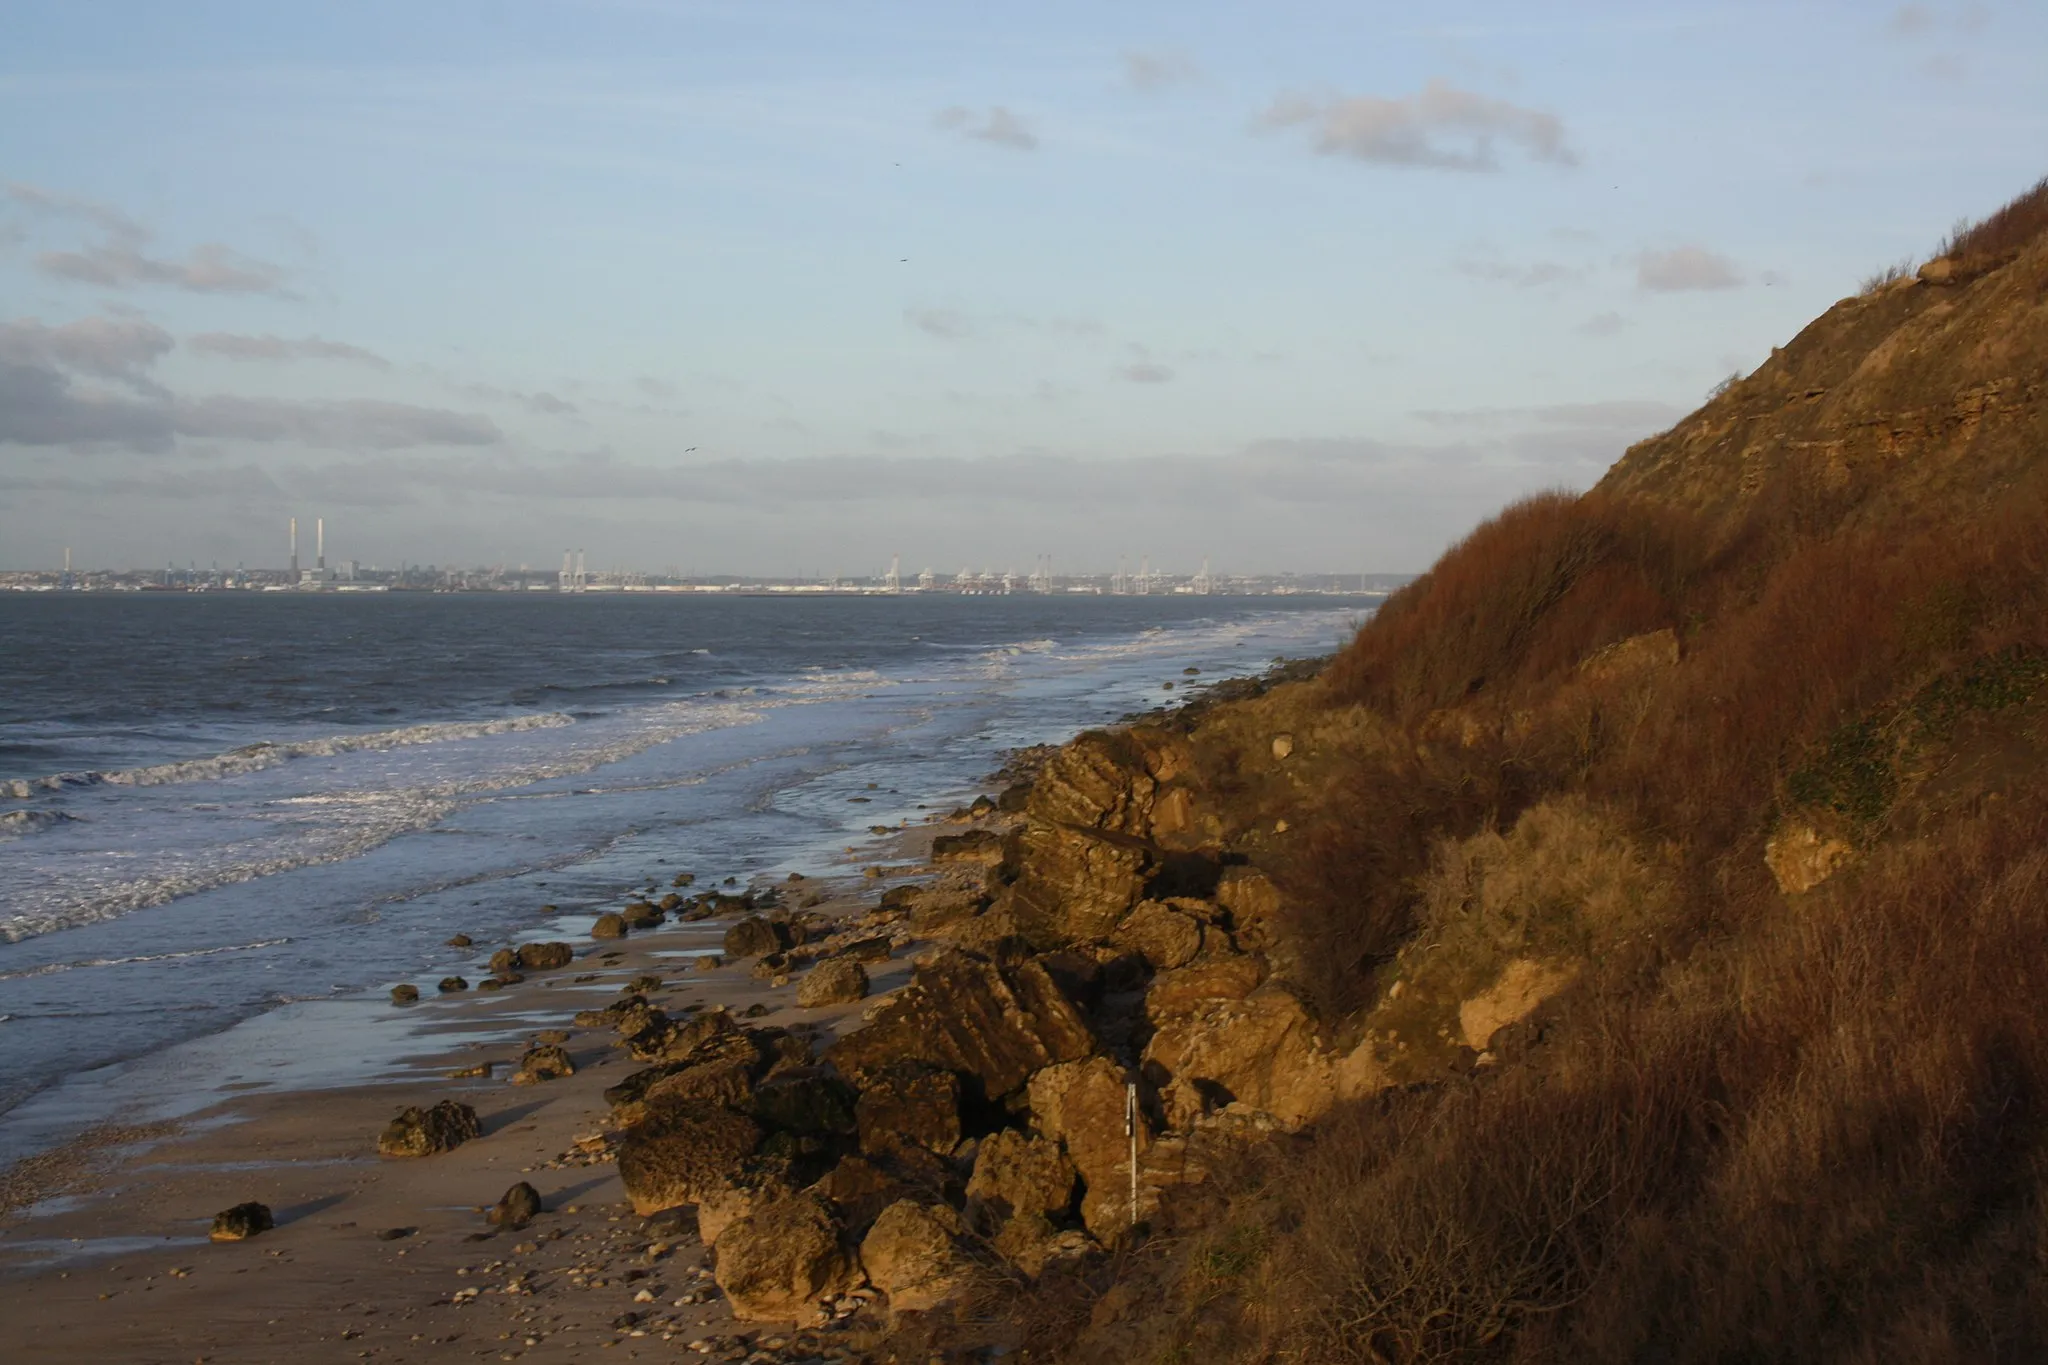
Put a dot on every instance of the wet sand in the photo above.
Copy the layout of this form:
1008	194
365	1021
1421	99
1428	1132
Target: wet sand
113	1263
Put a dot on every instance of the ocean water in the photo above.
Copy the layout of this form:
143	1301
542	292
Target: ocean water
218	807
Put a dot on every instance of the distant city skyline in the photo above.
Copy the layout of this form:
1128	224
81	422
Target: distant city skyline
1296	286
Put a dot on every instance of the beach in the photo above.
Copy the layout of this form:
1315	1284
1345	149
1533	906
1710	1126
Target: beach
105	1255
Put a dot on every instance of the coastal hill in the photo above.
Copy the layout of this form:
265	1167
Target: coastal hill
1630	947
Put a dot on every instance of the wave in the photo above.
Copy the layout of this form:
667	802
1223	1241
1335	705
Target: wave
15	823
52	968
251	758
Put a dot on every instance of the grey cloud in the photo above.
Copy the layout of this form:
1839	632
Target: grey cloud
107	348
548	405
40	406
1151	71
122	260
1602	325
347	424
1908	20
943	323
1145	372
998	126
1441	127
1685	268
1530	276
235	346
654	388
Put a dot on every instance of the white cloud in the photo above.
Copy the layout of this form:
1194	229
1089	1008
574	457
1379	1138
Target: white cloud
121	259
1145	372
235	346
1153	71
1441	127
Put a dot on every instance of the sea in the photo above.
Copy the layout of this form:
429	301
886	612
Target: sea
229	822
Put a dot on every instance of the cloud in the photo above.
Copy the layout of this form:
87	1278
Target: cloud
1612	415
998	126
106	348
1530	276
1602	325
548	405
1441	128
40	406
1153	71
121	260
1908	20
235	346
654	388
1685	268
1145	372
347	424
943	323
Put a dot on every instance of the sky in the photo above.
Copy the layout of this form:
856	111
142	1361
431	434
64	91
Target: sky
782	288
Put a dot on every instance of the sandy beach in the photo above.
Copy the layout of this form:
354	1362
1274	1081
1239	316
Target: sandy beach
104	1252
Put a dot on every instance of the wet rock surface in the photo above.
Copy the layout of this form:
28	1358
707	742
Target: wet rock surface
424	1132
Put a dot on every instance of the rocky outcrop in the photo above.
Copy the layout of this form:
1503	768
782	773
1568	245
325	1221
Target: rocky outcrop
1161	933
912	1254
1800	857
909	1103
983	846
781	1258
673	1163
1081	1106
996	1025
1522	985
545	1063
756	937
1261	1050
539	957
407	994
609	925
424	1132
1018	1175
835	981
241	1222
1212	976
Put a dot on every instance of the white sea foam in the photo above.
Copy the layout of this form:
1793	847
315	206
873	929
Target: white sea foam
251	758
52	968
15	823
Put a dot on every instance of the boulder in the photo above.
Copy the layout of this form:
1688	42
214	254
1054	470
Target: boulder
1251	900
610	924
983	846
1161	934
517	1207
874	948
754	937
725	1081
707	962
405	995
1800	857
858	1191
641	915
1513	996
835	981
424	1132
1261	1050
1081	1105
695	1146
961	1012
758	1183
912	1255
461	941
504	960
241	1222
808	1101
909	1103
1212	976
775	1263
545	1063
1018	1175
670	903
450	984
540	957
771	965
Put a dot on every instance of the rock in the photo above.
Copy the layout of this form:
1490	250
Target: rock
1081	1105
1941	270
1283	747
461	941
728	1082
758	1184
997	1025
1160	934
708	962
911	1255
451	984
1252	902
1013	798
405	995
858	1191
694	1146
1212	976
909	1103
770	965
1800	857
808	1101
609	925
641	915
545	1063
504	960
1261	1050
983	846
241	1222
670	903
835	981
540	957
1032	1245
754	937
424	1132
1514	995
517	1207
781	1258
1017	1175
875	948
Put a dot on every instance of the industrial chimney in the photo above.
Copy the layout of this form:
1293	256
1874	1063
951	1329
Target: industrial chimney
320	545
295	549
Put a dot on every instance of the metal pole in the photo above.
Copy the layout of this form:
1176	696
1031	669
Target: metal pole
1131	1132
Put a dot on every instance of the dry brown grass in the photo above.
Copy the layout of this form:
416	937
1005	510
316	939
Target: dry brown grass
1997	239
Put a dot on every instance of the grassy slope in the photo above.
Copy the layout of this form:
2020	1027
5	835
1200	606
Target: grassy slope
1757	1125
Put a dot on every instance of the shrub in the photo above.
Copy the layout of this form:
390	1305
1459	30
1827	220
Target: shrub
2002	236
